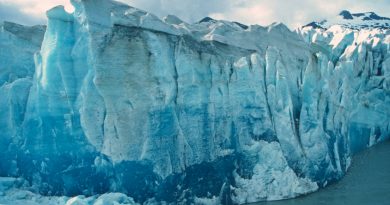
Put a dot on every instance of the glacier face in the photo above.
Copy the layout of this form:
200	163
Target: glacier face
163	110
17	47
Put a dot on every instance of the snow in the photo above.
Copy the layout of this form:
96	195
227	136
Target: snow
120	101
355	21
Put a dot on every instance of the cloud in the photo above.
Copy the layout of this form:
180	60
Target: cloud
294	13
28	12
13	13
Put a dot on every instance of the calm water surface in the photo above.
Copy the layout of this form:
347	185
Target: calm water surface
366	183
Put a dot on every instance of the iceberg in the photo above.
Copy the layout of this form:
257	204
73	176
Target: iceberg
120	101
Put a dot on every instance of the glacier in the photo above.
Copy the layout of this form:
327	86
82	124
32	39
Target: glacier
117	100
17	47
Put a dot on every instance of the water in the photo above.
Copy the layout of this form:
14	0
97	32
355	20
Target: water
366	183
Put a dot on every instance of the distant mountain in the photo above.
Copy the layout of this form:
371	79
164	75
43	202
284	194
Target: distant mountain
366	20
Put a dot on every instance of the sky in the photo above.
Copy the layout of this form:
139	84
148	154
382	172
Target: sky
293	13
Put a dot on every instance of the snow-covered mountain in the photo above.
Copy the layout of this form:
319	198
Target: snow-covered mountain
354	21
164	110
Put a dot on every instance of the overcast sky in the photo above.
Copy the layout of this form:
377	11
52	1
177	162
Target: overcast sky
294	13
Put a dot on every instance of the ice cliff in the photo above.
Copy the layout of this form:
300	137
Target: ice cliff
163	110
17	47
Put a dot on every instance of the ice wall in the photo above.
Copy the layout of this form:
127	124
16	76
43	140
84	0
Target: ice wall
17	47
214	111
